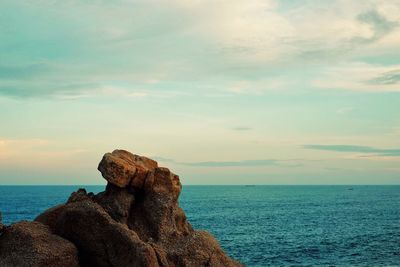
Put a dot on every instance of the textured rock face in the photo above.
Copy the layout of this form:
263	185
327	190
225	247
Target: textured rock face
136	221
122	168
32	244
101	240
1	223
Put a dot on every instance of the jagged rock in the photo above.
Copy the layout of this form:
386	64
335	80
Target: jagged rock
137	220
79	195
50	216
117	202
101	240
32	244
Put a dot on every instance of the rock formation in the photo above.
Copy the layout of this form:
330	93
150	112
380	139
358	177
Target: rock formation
1	224
32	244
136	221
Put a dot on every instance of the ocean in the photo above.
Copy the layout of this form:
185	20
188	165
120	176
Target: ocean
269	225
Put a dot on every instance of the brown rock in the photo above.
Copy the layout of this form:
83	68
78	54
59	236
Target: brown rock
122	168
50	216
198	249
156	214
80	195
1	224
32	244
117	202
166	183
137	220
101	241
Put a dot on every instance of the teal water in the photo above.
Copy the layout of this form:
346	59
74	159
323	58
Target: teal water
270	225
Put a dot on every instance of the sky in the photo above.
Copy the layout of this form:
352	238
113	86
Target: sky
221	92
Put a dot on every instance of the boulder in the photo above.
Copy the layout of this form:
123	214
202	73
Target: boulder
32	244
122	168
50	216
102	241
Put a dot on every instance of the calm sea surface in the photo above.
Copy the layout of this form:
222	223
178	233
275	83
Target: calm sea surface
269	225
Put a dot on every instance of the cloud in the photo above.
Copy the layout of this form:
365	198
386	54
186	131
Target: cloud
24	71
239	163
387	78
380	25
244	47
259	86
355	149
242	163
344	110
162	159
40	154
357	77
242	128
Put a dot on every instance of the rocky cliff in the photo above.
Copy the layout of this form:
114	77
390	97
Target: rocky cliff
136	221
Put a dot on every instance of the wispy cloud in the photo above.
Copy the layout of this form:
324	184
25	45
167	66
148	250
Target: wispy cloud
344	110
45	154
23	71
232	46
356	76
387	78
380	25
242	128
239	163
355	149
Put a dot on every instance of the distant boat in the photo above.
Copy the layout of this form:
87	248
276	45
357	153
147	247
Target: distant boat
250	185
350	188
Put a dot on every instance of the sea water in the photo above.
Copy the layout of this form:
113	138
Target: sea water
269	225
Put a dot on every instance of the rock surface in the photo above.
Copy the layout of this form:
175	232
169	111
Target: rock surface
122	168
32	244
1	224
136	221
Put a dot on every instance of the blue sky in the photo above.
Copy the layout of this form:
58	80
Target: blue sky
222	92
